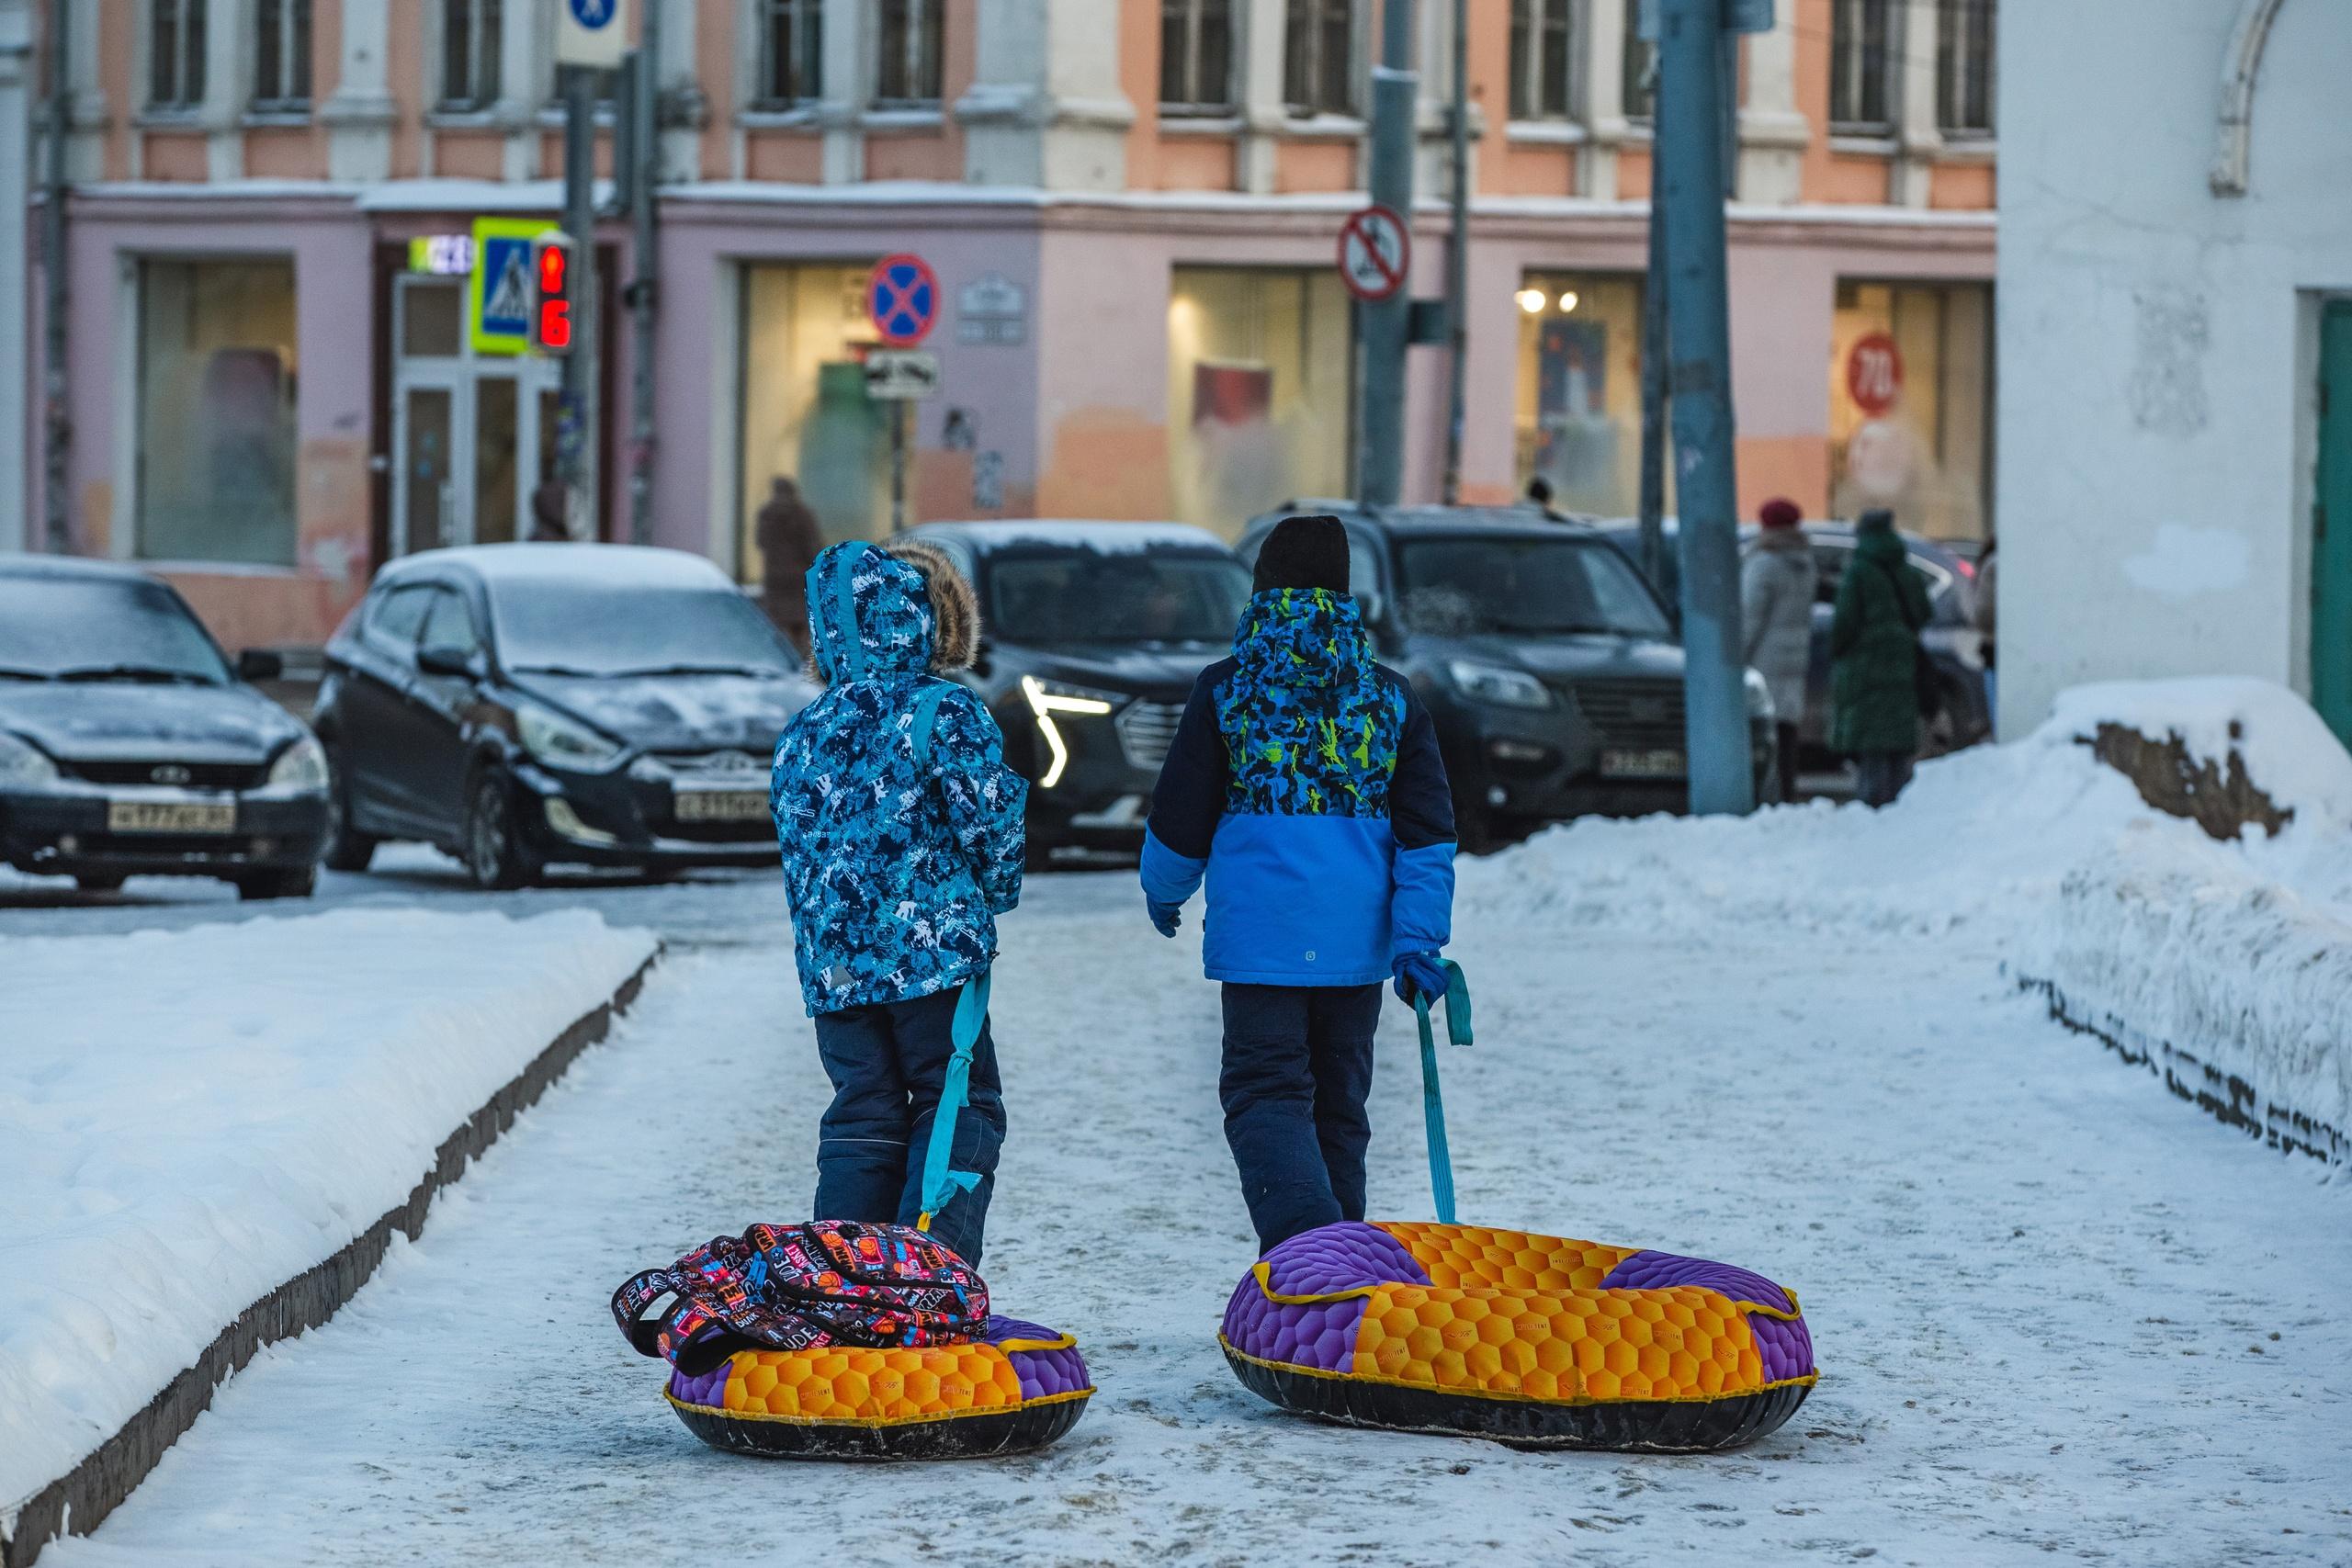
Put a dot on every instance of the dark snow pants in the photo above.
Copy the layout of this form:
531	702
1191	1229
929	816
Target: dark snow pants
1297	1071
888	1063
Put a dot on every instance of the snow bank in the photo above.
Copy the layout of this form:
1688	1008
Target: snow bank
2287	750
192	1118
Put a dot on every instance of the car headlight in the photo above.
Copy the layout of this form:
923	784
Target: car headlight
22	766
1047	698
1494	683
302	765
1760	694
561	742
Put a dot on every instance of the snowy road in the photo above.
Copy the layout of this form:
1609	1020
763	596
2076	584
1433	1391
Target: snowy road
2055	1311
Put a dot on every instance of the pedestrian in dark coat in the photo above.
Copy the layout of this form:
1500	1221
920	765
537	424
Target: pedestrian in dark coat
789	539
1875	645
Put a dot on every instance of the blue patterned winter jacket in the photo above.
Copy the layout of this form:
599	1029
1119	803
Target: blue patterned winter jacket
1305	787
895	869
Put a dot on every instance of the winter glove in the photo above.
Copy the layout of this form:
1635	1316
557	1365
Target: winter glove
1419	974
1165	916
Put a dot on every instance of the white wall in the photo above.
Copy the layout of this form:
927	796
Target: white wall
2154	341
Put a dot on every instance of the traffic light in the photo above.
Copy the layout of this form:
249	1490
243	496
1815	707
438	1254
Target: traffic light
552	257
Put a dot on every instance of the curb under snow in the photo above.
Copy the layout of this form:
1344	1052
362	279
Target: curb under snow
76	1501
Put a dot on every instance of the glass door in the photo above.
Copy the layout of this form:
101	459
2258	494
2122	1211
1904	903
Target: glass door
472	438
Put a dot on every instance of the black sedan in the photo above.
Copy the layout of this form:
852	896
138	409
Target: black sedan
131	746
1091	636
523	704
1550	667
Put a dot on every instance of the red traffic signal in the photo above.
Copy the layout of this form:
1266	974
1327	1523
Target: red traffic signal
552	257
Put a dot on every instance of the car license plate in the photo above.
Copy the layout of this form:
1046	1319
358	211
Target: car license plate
1659	764
171	817
721	805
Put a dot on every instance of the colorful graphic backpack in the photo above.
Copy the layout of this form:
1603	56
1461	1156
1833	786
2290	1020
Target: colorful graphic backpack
801	1287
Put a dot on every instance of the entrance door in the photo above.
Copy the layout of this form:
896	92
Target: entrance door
2332	526
472	435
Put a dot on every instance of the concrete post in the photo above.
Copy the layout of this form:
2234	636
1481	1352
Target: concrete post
1396	93
644	269
15	205
582	371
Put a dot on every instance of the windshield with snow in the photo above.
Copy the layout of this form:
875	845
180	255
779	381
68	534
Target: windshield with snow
1528	587
608	628
69	628
1117	596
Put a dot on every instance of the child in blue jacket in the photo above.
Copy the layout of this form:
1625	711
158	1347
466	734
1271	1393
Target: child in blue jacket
900	849
1304	785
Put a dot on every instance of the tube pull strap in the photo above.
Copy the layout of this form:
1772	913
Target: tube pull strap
1457	1031
941	1184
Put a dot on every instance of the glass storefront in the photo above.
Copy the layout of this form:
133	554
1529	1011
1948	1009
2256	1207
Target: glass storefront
216	411
473	435
1259	391
1579	396
1910	403
806	414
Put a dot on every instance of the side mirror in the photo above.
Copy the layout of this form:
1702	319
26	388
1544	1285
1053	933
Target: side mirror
448	661
260	664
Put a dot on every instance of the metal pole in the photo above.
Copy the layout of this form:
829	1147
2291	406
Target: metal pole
57	422
581	379
1457	259
1690	162
644	291
1654	399
1388	325
898	466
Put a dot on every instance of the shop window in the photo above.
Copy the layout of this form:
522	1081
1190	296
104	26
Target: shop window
1542	57
907	56
791	54
1319	57
216	411
1861	53
1579	392
1637	69
176	54
282	56
1964	67
1259	391
1910	399
1195	57
470	55
806	414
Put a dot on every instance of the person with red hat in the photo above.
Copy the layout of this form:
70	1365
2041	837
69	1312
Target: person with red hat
1777	583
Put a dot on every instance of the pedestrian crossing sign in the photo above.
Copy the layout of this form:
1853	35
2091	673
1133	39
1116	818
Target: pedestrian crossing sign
500	295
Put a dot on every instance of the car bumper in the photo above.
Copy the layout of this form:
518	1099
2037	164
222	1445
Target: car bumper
1521	775
65	833
625	819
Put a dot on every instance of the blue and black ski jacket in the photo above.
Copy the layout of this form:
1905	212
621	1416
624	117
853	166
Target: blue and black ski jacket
1304	785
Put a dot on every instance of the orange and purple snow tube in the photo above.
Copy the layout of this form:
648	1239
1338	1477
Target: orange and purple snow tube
1528	1340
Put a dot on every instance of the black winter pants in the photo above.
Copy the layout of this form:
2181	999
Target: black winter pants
888	1063
1297	1071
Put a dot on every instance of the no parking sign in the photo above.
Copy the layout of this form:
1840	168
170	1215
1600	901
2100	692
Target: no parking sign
902	298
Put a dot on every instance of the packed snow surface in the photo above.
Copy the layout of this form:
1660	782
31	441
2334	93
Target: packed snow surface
192	1118
2288	749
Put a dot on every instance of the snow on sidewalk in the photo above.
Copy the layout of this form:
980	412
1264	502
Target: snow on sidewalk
193	1118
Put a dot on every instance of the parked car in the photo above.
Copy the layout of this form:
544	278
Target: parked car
130	746
521	705
1548	664
1091	636
1950	638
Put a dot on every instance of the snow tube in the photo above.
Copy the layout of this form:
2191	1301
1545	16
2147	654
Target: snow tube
1528	1340
1017	1387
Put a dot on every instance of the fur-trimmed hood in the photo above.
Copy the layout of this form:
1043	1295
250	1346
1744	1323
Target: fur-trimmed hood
896	609
955	609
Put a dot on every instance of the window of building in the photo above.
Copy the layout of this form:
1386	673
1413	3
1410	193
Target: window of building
907	57
1259	391
806	414
1195	57
1319	57
1541	59
1964	67
282	56
1861	54
1910	399
216	411
1579	392
1638	78
176	54
791	53
470	55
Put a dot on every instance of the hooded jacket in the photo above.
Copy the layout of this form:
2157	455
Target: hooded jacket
1305	787
1875	644
896	866
1777	586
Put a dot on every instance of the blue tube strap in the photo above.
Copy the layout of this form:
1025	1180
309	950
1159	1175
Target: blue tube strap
941	1184
1457	1031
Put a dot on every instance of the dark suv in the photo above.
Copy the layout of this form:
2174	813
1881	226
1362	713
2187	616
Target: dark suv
1091	636
1550	667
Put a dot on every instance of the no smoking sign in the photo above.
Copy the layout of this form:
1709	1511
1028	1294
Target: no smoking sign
1375	251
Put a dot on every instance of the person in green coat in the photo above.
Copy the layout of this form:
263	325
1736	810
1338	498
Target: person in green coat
1874	653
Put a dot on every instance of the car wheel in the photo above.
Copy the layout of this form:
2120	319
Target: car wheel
284	883
347	848
494	853
99	881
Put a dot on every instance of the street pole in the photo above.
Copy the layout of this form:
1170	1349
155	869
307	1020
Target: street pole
1654	400
57	425
1387	323
644	291
577	449
1690	165
897	466
1457	259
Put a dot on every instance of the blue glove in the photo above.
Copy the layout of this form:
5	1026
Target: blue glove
1165	916
1421	974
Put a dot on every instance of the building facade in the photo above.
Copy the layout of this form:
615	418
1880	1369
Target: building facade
1132	206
